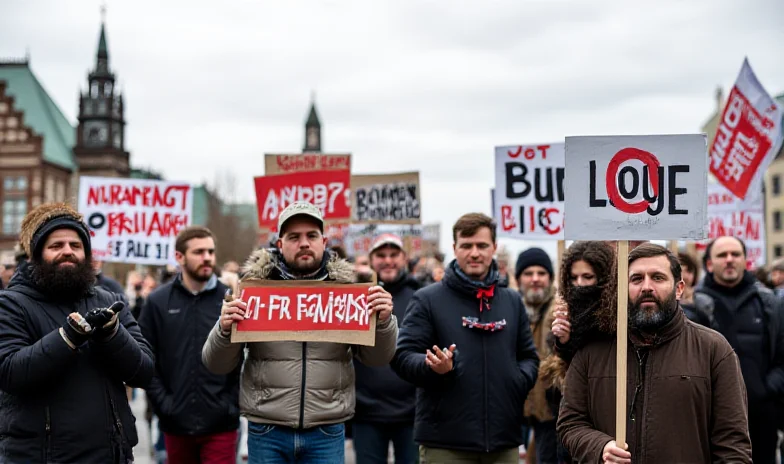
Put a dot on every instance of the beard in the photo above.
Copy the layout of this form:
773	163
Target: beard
305	269
70	283
648	320
537	296
194	273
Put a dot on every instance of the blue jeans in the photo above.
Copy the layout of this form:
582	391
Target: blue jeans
371	443
275	444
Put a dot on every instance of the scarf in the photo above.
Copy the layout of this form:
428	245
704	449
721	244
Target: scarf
287	274
483	291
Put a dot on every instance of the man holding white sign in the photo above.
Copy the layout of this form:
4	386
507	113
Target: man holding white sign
297	395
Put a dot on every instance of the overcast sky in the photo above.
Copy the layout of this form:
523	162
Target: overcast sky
431	86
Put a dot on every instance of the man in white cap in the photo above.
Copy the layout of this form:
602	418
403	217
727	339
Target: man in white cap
297	395
385	402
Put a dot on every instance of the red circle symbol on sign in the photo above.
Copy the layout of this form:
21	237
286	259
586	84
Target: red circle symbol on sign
617	160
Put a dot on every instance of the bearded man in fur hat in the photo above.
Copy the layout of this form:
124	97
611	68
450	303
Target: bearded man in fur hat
297	395
66	351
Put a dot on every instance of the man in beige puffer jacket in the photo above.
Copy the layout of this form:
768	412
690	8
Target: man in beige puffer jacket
297	395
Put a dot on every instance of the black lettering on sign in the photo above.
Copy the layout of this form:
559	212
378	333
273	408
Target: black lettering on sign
387	202
518	185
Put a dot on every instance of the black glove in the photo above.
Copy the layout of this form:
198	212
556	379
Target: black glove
105	321
76	330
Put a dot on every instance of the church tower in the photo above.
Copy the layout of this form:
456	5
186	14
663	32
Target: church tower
312	131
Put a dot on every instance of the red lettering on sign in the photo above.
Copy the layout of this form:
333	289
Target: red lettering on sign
507	218
611	184
515	154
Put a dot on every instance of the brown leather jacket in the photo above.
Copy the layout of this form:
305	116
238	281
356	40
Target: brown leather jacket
686	400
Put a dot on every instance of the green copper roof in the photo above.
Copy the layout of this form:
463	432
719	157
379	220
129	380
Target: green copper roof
41	113
313	119
103	51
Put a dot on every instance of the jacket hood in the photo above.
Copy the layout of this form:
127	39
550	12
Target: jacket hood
264	263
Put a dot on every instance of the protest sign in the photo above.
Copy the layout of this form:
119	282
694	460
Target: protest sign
748	137
134	220
528	197
636	187
360	238
386	198
327	190
305	311
305	162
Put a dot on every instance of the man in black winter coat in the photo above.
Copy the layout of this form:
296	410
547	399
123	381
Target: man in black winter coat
751	318
67	349
466	344
385	403
198	410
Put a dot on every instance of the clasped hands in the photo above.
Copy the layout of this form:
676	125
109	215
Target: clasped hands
100	324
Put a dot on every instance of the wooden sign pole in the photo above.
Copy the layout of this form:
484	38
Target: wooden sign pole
561	251
674	247
621	345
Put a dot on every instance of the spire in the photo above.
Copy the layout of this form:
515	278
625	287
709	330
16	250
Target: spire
312	129
313	119
103	51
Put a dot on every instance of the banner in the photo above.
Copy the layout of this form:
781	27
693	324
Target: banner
135	220
305	311
305	162
386	198
748	136
328	190
528	198
728	215
650	187
361	237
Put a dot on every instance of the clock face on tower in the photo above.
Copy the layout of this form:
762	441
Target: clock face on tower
96	134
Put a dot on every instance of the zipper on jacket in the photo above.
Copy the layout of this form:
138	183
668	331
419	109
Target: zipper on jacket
638	388
117	421
484	372
302	387
48	428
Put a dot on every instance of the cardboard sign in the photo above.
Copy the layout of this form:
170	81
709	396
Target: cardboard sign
748	137
305	311
135	220
528	198
305	162
651	187
728	215
328	190
386	198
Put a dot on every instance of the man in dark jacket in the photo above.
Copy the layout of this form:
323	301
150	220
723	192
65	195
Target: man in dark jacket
385	402
686	396
198	410
104	281
466	344
66	350
751	318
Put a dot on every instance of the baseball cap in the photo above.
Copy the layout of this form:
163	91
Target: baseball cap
300	208
386	239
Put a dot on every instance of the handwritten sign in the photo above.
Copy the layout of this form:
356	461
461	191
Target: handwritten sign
650	187
386	198
307	162
528	199
135	220
748	137
305	311
328	190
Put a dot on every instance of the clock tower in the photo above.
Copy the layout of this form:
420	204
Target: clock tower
312	131
100	134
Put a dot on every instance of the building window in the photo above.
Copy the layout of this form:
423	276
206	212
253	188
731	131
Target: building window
15	184
777	251
14	211
776	181
777	220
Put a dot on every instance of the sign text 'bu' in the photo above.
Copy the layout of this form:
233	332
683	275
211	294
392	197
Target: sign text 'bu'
649	187
305	311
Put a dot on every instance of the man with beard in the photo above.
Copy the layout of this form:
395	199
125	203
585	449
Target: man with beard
466	344
385	402
66	350
686	402
751	318
297	395
534	275
198	410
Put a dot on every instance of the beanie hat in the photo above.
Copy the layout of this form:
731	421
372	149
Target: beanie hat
533	257
45	219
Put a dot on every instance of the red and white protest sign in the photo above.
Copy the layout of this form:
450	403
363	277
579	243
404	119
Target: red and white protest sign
728	215
327	190
134	220
748	136
305	311
528	199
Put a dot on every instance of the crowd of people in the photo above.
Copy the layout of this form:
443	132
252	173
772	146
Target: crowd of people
483	359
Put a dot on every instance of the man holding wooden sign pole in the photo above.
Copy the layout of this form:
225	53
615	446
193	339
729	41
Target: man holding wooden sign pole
304	321
688	400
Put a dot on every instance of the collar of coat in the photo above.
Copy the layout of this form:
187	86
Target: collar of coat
264	264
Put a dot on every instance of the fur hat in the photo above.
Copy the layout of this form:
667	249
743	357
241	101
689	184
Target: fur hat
47	218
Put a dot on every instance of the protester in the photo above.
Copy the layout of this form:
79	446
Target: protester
777	277
67	351
297	395
751	318
691	275
689	401
385	403
104	281
466	344
198	410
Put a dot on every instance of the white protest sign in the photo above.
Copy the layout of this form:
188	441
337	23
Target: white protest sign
135	220
650	187
528	198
